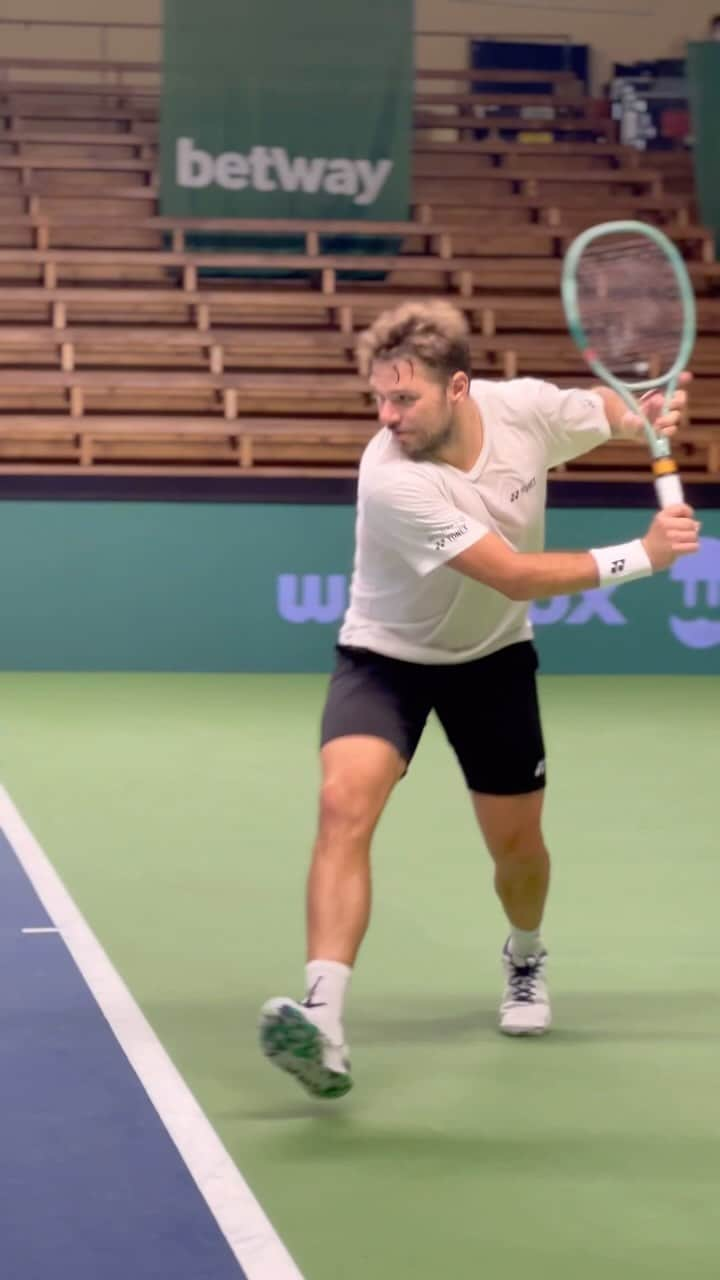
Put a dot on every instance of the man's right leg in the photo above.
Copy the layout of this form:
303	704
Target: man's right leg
374	715
307	1038
358	775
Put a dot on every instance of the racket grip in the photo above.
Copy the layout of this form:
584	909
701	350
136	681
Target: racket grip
668	485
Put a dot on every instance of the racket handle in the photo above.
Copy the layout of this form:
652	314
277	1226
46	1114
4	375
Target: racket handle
668	485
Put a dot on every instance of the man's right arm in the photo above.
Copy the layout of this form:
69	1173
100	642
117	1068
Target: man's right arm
540	575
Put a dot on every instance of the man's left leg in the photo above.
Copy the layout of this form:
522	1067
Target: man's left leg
490	712
511	826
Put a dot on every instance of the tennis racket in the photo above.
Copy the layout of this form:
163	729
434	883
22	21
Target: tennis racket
630	309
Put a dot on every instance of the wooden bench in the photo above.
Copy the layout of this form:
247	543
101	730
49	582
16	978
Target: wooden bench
26	165
531	182
271	446
247	443
536	196
497	151
348	309
432	156
436	238
704	403
494	125
697	454
496	75
524	181
60	196
532	113
120	95
519	99
479	234
506	355
552	355
223	395
634	178
461	274
203	308
500	152
215	350
115	67
126	119
443	200
25	140
550	237
243	391
125	203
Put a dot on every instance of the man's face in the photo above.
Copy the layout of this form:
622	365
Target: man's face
413	405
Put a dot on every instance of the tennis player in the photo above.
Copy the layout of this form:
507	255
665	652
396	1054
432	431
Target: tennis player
449	538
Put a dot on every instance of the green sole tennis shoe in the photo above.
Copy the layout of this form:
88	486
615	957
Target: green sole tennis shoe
294	1043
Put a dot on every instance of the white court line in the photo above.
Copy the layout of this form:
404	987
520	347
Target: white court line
44	929
249	1233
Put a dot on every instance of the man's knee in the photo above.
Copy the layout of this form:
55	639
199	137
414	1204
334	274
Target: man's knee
511	826
347	808
358	777
517	844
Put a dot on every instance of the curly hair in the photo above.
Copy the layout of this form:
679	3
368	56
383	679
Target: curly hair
434	332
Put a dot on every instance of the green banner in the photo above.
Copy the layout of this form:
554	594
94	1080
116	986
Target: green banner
203	587
287	110
704	81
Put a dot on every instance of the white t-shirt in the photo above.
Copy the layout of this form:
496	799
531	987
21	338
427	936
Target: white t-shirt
412	517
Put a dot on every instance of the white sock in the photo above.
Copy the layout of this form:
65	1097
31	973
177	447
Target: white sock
524	943
326	985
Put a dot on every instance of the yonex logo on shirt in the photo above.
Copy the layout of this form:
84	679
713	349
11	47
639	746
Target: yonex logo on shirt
451	536
524	488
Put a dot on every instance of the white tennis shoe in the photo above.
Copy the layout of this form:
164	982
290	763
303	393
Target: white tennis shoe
525	1008
291	1040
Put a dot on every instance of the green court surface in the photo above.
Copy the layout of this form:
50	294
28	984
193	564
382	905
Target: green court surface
180	810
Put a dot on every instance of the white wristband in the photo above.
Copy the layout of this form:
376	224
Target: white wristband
622	564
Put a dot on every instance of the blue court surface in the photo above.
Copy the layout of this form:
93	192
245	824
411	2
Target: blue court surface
108	1168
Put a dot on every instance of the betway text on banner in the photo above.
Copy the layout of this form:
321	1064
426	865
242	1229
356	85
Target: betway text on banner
287	110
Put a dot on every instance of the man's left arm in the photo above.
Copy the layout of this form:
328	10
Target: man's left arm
626	425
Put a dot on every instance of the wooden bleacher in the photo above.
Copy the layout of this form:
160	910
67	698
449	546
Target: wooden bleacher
59	239
121	354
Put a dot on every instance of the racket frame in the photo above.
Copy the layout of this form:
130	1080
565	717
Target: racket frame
668	486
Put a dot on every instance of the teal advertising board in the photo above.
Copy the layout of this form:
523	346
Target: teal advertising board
210	587
704	87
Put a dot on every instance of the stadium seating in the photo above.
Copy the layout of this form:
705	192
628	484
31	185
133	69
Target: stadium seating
128	348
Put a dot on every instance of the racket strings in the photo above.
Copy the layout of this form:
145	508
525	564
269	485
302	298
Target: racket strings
630	306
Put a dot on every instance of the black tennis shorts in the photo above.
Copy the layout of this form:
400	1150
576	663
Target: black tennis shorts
488	709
